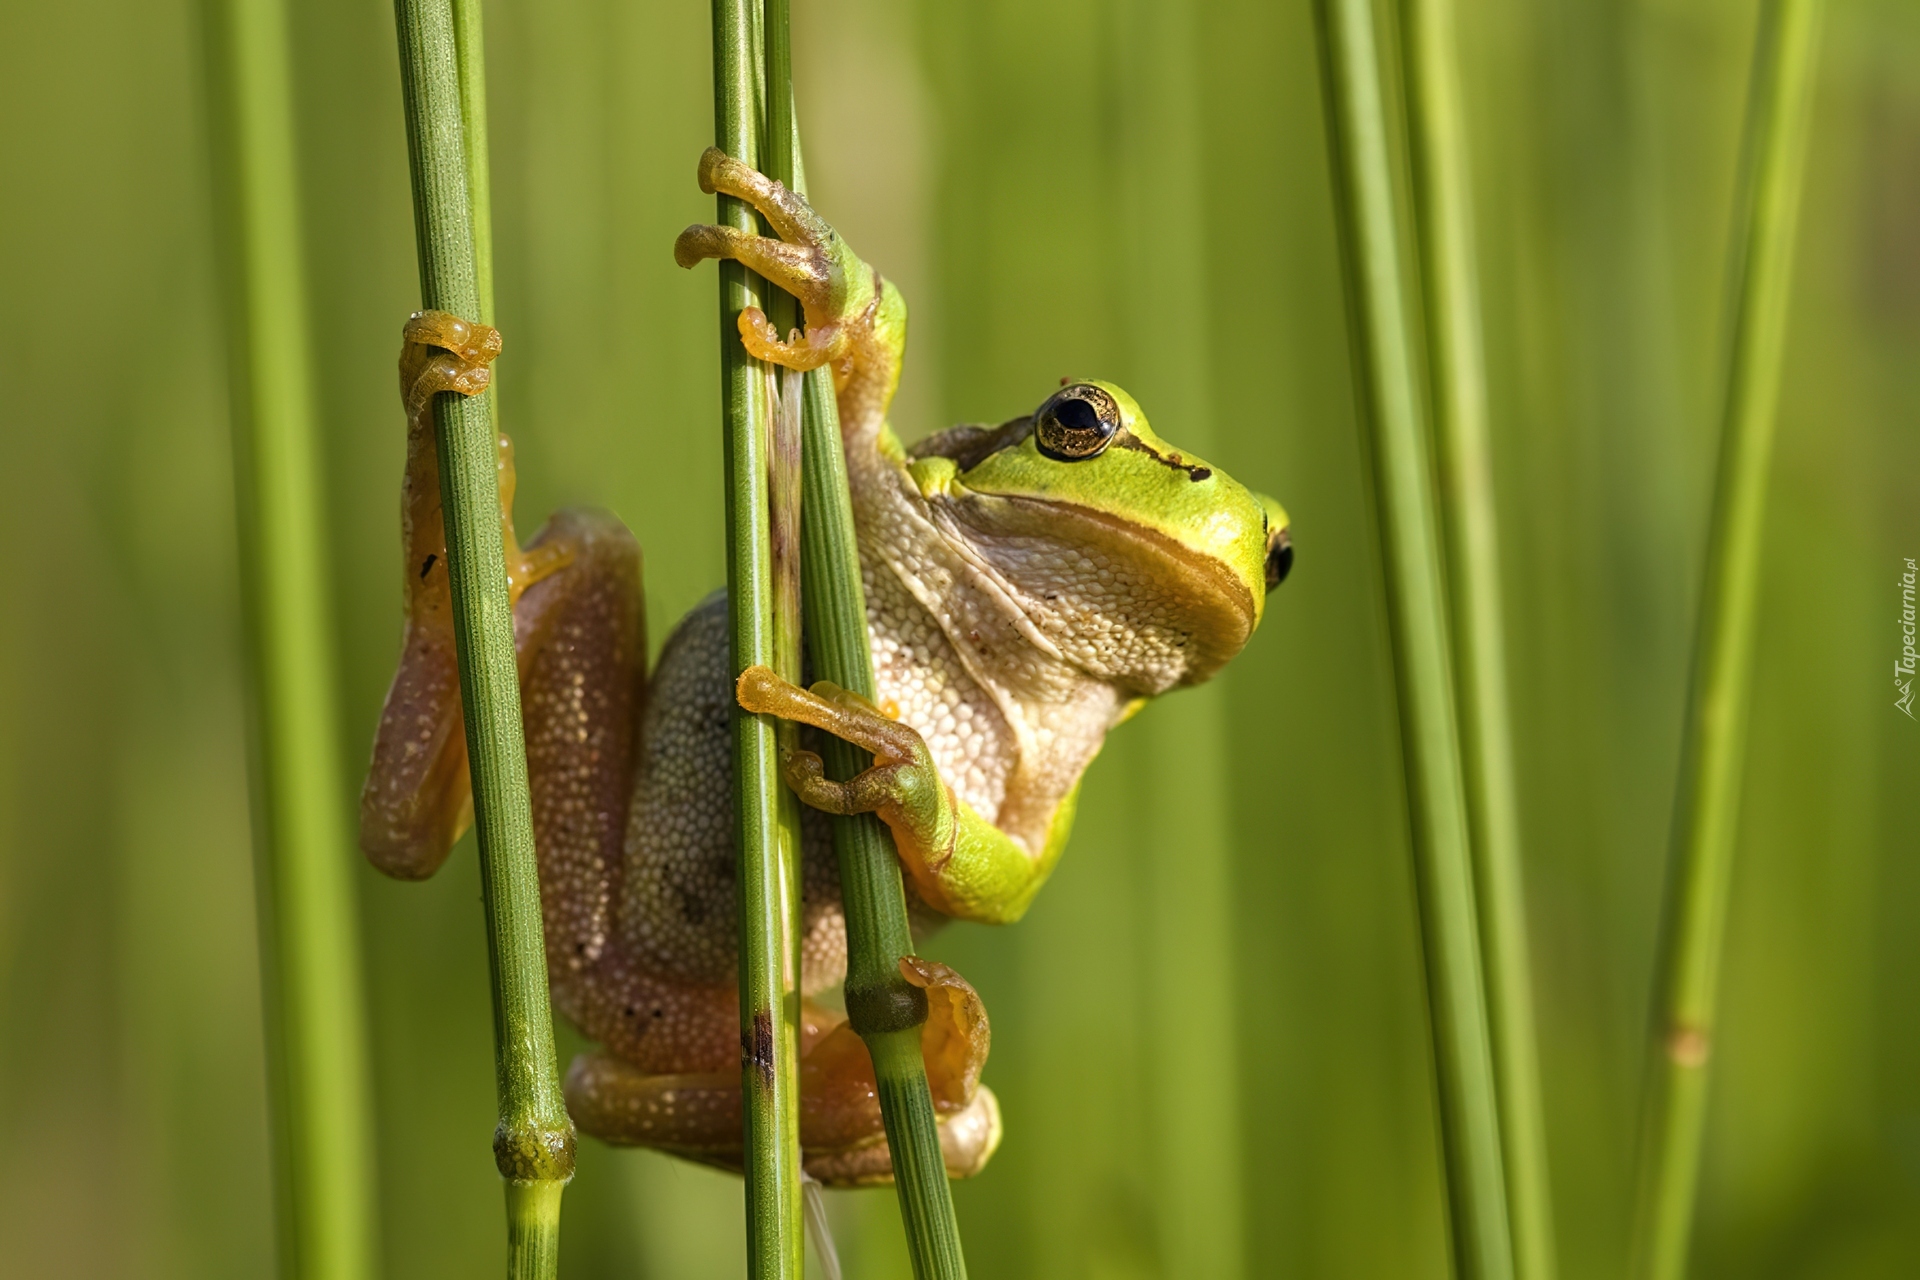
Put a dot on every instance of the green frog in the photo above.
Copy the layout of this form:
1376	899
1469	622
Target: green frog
1029	586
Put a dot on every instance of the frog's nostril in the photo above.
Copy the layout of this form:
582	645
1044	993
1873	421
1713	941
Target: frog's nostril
1279	558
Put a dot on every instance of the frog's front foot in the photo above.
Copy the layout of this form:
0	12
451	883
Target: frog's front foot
845	301
442	352
903	786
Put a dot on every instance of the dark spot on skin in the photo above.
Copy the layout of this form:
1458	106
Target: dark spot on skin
756	1048
427	568
580	948
692	910
659	1013
631	1011
1199	473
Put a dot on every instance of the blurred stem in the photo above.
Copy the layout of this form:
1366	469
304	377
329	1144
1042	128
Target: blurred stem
533	1145
1714	745
884	1008
766	813
1390	411
1457	364
318	1087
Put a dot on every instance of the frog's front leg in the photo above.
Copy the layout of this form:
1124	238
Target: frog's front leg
961	864
856	320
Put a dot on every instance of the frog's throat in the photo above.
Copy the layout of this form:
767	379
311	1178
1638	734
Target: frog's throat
1219	611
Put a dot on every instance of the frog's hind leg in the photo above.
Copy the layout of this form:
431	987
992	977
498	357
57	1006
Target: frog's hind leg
417	798
698	1114
580	636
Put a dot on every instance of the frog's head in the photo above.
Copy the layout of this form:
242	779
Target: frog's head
1144	566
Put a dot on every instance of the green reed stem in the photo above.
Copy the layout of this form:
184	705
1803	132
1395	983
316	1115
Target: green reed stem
470	52
1390	410
884	1008
1713	748
534	1142
766	812
318	1087
1457	365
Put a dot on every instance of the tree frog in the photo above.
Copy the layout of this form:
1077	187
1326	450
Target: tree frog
1029	586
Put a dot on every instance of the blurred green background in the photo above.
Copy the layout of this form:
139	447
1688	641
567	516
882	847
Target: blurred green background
1210	1037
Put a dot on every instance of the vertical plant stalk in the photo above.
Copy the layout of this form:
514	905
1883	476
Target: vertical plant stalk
318	1086
765	812
1390	410
534	1143
470	53
883	1007
1457	365
1714	746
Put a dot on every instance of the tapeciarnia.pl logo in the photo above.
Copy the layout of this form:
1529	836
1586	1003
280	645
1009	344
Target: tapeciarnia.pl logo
1904	664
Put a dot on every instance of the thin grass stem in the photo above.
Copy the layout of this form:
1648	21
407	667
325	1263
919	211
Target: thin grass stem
1456	361
534	1141
1391	415
885	1009
765	811
470	52
1713	747
318	1086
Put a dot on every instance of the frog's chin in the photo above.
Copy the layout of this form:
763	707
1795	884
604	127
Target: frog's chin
1124	602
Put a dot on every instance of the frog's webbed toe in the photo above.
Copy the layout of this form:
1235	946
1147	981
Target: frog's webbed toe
800	269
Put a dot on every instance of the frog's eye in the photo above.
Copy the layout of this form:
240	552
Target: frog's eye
1279	557
1076	423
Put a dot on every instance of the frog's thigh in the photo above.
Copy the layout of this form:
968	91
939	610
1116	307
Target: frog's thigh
698	1114
654	1086
694	1114
581	641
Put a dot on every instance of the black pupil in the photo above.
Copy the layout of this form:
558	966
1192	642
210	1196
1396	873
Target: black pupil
1279	561
1077	415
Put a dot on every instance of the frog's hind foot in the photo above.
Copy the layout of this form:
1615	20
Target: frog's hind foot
968	1140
